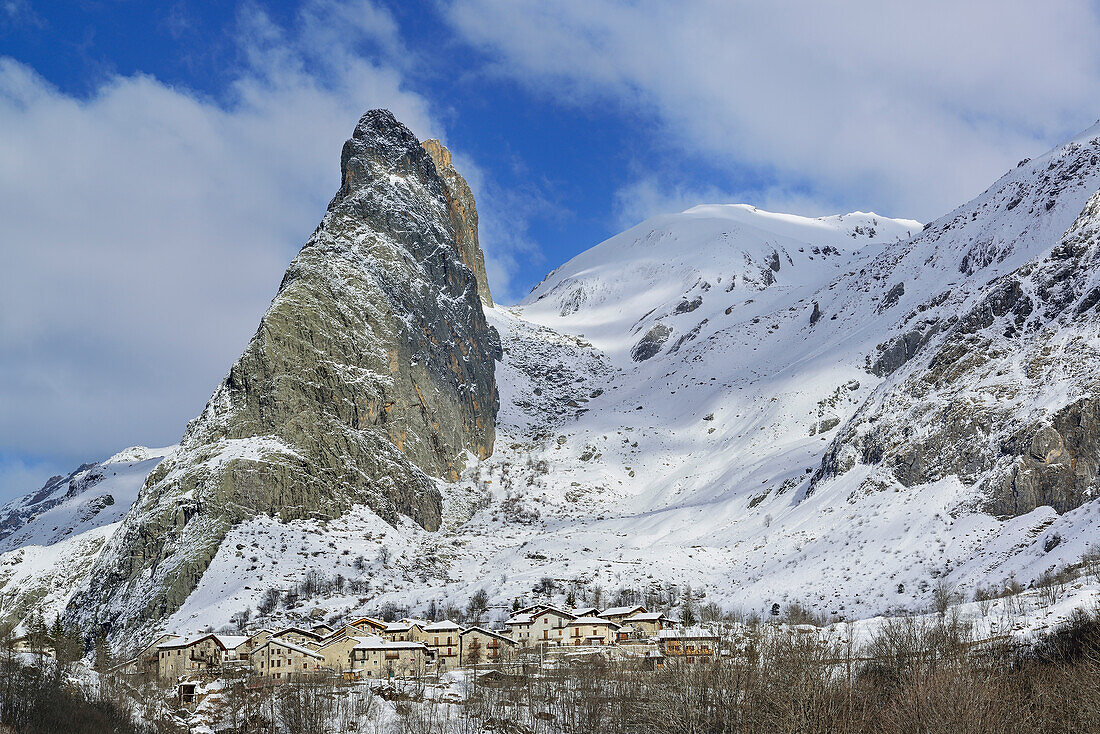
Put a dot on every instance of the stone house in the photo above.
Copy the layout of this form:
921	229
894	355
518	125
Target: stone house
279	659
405	630
444	640
648	624
374	657
299	636
480	645
204	653
369	625
144	663
619	614
591	631
545	626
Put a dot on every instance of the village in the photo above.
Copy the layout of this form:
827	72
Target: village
370	648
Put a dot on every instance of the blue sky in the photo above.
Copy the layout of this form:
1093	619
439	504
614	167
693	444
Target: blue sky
160	163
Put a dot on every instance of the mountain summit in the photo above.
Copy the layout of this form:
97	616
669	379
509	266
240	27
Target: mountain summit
370	376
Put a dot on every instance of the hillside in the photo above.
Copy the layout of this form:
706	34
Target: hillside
841	411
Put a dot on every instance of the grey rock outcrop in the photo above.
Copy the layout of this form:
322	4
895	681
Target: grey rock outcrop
652	343
1005	397
370	376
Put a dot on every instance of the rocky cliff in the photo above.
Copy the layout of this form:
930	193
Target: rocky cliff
370	376
463	209
991	372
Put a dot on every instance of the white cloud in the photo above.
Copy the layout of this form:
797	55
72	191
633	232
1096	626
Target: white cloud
145	228
649	195
905	108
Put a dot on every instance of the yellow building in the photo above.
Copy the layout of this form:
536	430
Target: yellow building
591	631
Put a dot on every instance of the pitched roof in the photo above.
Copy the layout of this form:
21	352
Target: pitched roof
484	631
593	621
369	621
444	625
553	610
226	642
519	619
374	642
298	630
586	611
289	646
691	633
231	642
646	617
622	611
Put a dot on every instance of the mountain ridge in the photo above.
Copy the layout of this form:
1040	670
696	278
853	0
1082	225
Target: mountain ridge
768	407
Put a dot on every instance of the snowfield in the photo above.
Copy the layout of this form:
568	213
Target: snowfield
672	401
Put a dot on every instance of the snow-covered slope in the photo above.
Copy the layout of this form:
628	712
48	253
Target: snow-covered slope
92	496
841	411
674	400
52	536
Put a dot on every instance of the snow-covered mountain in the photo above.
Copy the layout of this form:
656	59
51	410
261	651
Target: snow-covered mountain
838	411
50	537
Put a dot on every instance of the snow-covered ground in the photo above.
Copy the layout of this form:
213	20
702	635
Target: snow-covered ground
667	399
55	534
689	462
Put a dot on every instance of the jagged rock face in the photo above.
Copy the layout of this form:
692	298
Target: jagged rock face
371	374
460	200
1005	395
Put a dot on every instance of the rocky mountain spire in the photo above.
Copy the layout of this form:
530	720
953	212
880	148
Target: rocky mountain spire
464	215
370	376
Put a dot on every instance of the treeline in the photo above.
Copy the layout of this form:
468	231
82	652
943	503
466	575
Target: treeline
913	676
37	697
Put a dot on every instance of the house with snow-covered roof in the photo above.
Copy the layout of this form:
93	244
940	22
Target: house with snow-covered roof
299	636
689	645
649	623
199	654
373	656
279	659
545	626
370	625
405	631
481	645
591	631
144	661
443	638
618	614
